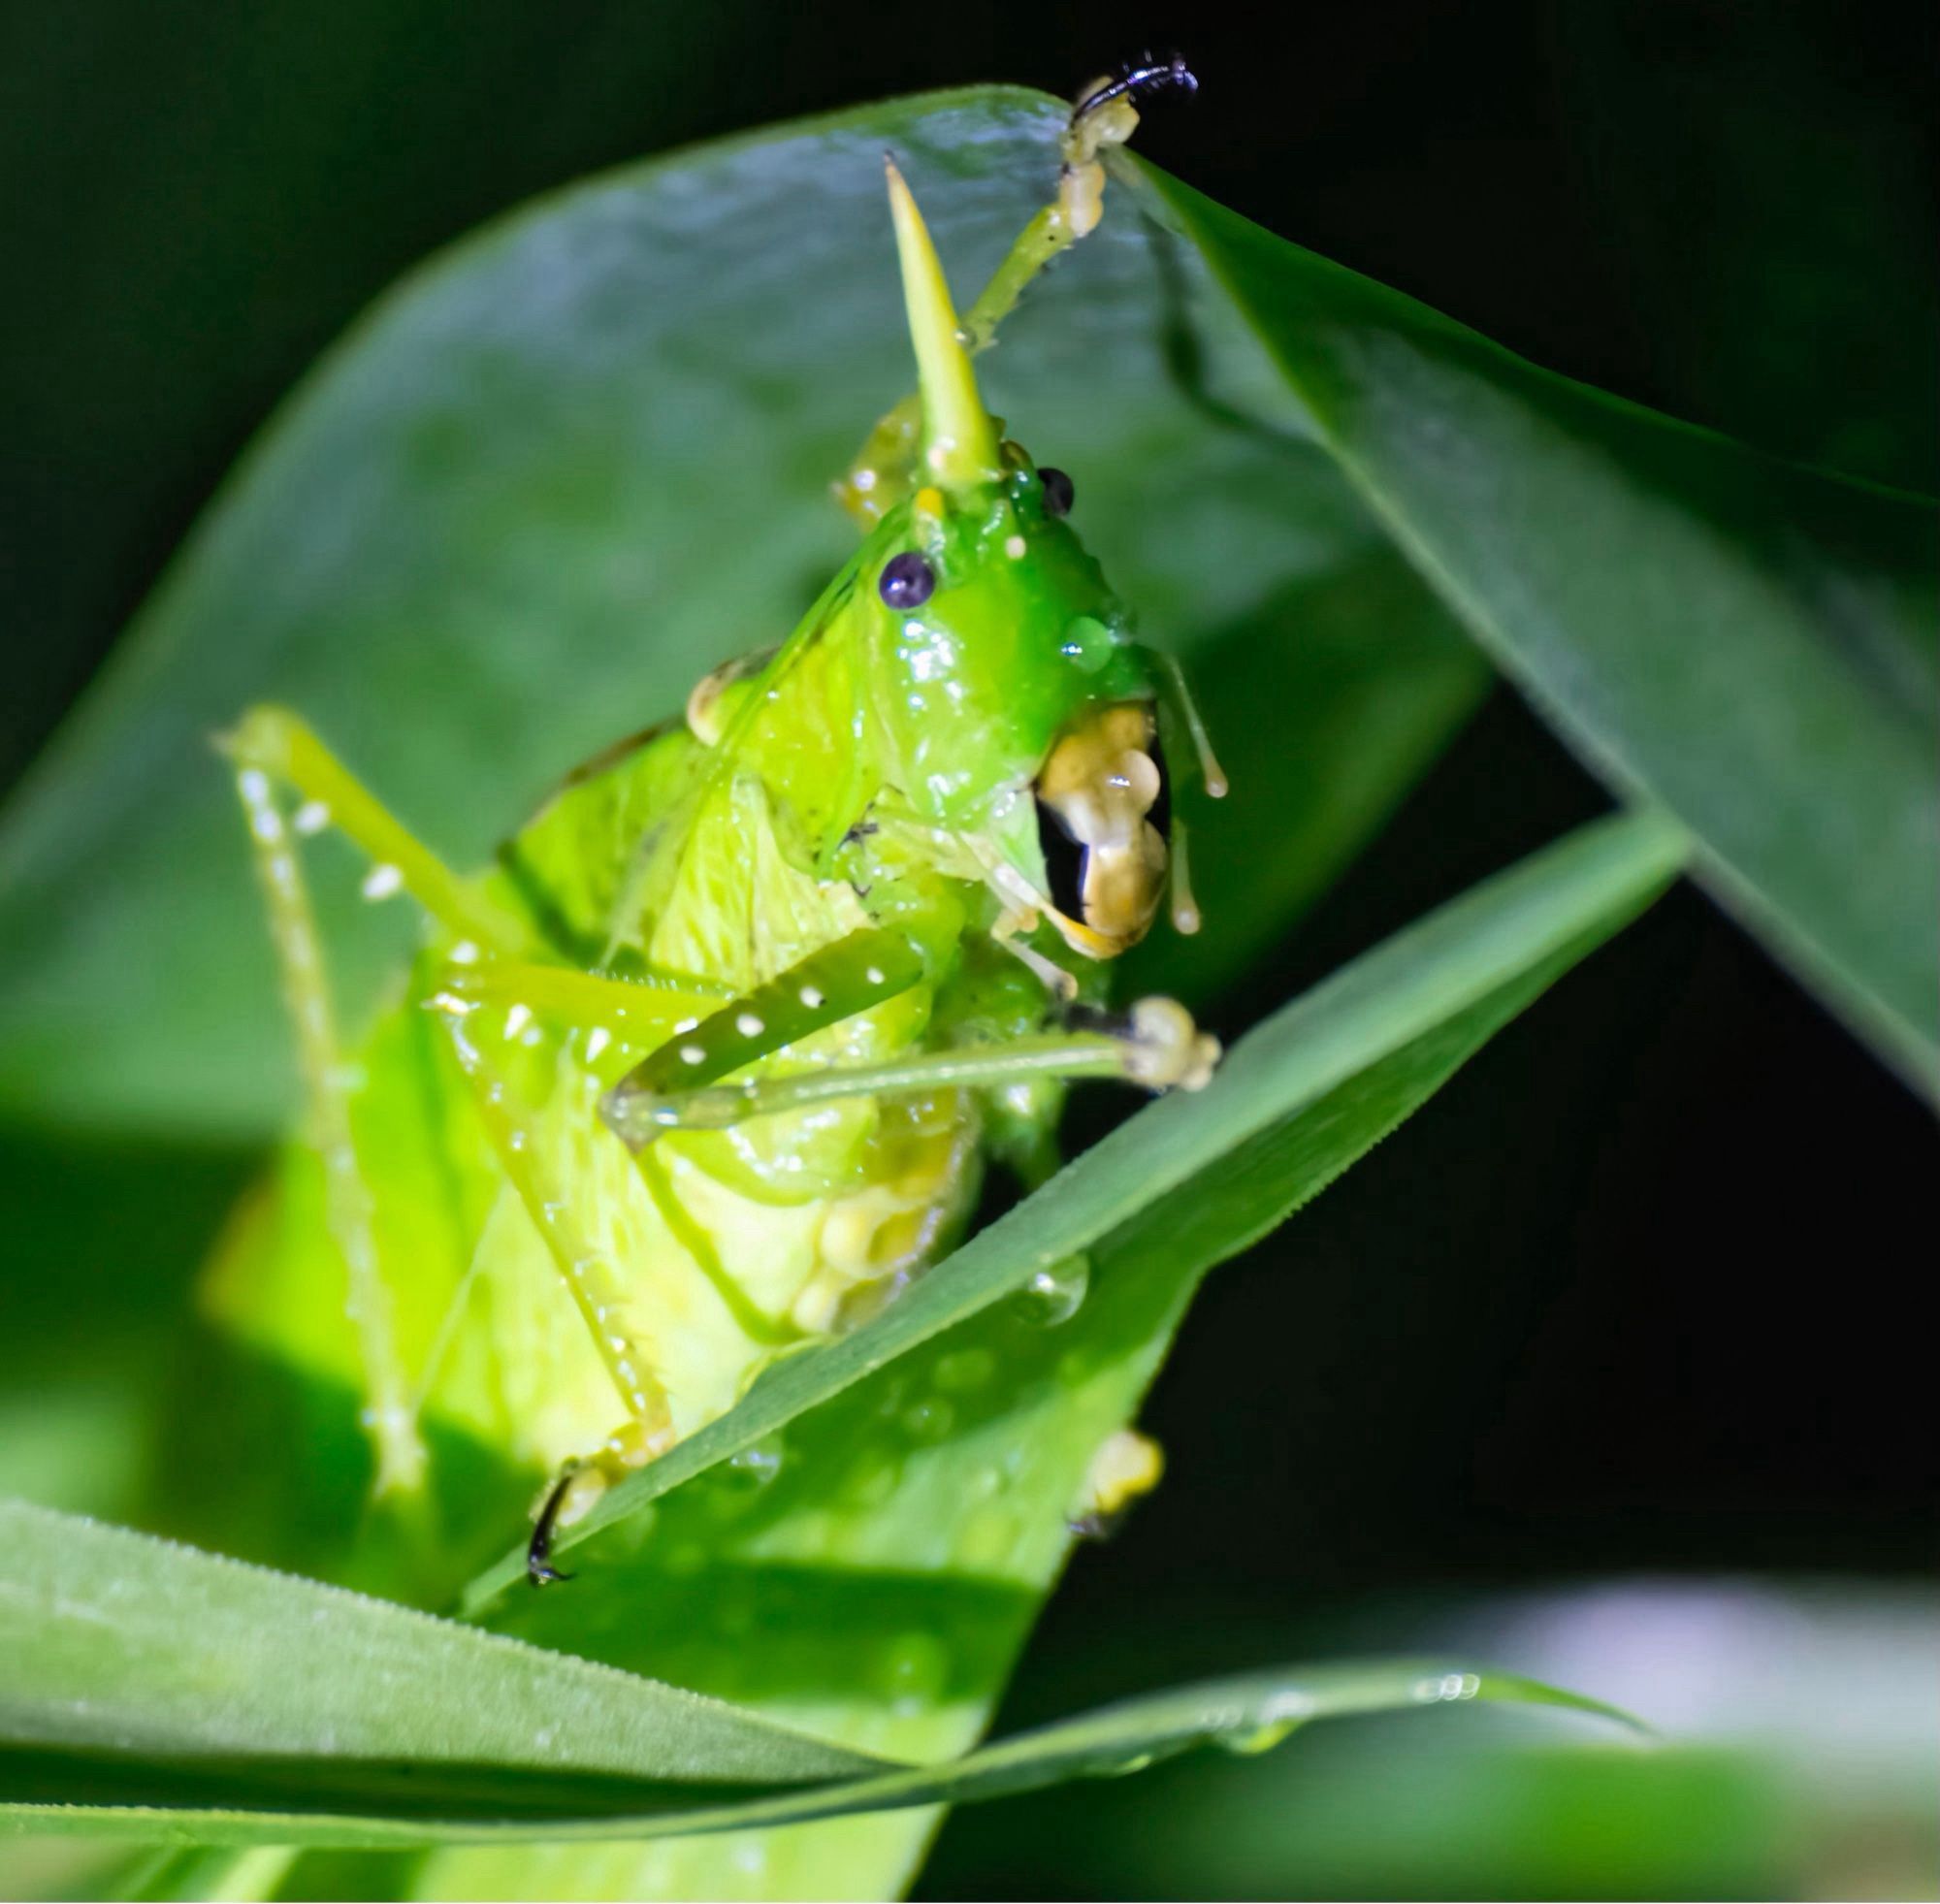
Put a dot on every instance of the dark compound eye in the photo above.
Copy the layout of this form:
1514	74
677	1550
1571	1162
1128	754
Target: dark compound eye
1058	492
908	581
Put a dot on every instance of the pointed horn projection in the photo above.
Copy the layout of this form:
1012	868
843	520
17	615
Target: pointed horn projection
959	439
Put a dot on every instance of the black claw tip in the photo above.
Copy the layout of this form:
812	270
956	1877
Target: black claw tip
540	1570
1141	77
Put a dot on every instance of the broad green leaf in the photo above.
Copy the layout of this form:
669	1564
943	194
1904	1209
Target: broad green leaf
1196	1177
583	457
126	1653
1748	642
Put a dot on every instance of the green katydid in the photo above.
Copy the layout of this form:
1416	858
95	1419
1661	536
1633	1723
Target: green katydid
709	1064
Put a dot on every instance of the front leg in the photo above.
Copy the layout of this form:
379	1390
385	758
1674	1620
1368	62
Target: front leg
679	1088
885	470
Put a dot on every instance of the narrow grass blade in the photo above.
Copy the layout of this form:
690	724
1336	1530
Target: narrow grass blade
1247	1713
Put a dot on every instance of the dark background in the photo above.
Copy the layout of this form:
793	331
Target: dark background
1636	1291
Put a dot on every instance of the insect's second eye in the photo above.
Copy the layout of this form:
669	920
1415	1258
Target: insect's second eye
1058	494
908	581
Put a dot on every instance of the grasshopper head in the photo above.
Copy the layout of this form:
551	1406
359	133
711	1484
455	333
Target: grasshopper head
1014	706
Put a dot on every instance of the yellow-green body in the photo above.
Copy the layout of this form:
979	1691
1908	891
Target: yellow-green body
707	1066
857	888
722	866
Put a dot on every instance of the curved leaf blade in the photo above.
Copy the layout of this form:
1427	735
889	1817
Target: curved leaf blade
1246	1712
1749	643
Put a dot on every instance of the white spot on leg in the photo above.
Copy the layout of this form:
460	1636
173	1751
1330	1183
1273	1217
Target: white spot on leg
312	816
380	881
517	1019
692	1055
596	1040
874	975
811	997
1014	547
749	1025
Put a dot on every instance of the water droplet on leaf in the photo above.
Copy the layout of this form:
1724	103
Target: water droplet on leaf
1254	1739
759	1462
1055	1295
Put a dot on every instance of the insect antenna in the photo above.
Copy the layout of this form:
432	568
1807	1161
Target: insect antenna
540	1570
1140	77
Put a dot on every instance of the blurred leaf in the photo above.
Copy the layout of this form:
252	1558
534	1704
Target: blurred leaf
1771	163
167	1693
582	458
101	1242
1795	1754
206	1875
1750	643
1370	676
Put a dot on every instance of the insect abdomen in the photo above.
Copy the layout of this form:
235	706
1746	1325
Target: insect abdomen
720	1249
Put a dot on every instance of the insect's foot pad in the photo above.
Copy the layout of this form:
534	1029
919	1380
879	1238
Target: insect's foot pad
1165	1049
